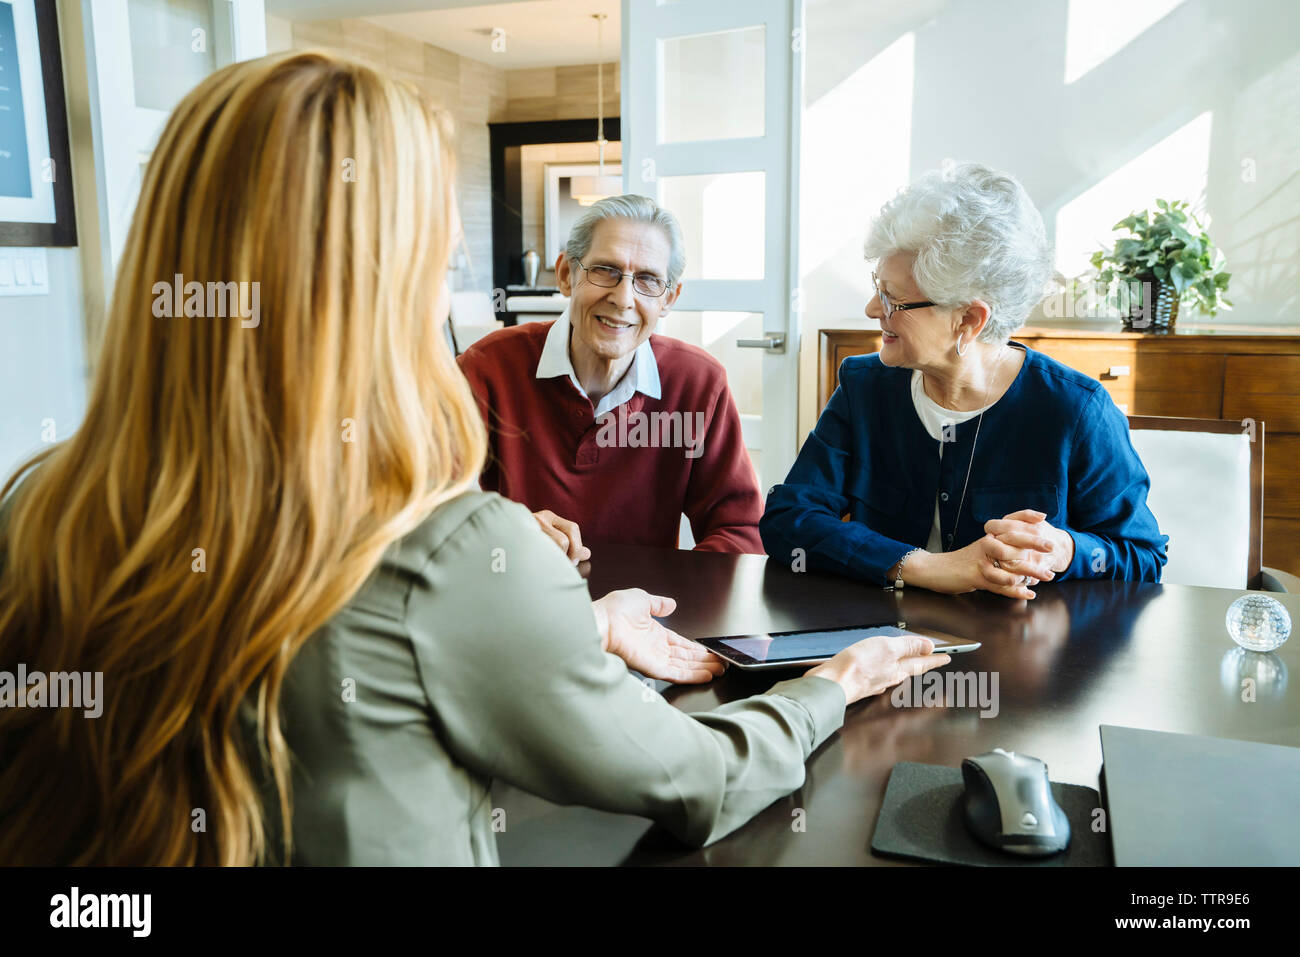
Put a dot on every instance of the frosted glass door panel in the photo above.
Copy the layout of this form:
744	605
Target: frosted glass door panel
722	218
173	47
712	86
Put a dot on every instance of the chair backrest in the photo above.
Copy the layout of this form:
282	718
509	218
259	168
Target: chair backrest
1207	494
471	319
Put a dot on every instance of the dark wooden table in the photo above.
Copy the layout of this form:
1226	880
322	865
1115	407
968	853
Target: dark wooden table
1080	655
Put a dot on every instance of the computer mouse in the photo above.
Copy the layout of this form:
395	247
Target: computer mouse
1009	804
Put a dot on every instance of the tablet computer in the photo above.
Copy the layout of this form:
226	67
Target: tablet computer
787	649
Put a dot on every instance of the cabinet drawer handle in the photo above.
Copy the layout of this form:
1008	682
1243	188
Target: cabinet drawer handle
1115	372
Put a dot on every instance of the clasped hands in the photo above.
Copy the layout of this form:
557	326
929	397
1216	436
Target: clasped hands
1017	552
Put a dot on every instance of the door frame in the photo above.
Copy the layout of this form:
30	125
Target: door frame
776	153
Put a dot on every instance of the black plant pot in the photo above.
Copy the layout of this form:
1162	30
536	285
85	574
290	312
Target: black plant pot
1164	308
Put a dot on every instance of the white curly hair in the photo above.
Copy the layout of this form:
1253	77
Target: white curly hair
976	234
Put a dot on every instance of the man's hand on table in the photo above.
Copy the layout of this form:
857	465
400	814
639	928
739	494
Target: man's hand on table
564	533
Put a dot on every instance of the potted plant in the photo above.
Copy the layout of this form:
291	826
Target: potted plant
1168	259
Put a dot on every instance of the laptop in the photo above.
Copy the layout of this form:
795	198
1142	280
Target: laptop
1186	800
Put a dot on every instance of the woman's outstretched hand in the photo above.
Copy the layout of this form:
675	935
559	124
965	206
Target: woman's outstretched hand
627	626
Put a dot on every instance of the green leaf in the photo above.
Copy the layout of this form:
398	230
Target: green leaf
1221	279
1161	272
1137	222
1127	249
1179	278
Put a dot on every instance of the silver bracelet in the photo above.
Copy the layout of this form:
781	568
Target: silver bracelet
898	580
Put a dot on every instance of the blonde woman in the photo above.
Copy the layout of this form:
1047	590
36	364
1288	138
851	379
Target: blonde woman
319	644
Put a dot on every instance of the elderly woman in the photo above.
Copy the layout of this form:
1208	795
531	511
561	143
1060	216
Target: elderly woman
964	461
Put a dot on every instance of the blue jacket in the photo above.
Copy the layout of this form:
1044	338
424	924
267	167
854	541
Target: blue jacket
1055	442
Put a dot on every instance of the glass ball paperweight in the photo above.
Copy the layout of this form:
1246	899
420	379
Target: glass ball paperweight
1258	622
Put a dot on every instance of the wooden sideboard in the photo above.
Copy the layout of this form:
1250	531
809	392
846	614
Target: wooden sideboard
1198	371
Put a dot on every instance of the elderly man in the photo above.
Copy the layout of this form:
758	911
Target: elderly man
605	431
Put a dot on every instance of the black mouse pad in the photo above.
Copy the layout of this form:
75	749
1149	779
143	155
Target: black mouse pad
921	819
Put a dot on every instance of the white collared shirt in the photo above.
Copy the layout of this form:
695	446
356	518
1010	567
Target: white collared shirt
642	376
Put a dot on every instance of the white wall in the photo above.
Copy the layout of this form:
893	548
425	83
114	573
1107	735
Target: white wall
1204	98
42	362
43	365
279	34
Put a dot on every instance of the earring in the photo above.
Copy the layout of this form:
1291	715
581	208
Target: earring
960	350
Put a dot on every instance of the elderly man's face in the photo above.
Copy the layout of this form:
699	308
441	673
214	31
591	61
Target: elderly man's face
612	321
914	337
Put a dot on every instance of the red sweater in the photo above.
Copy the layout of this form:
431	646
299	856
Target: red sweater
629	478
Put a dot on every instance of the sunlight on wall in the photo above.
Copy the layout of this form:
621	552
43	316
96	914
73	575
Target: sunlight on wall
855	155
1258	200
1098	29
1175	168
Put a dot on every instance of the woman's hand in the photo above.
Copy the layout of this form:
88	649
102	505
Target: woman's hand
987	564
564	533
872	665
1029	529
627	626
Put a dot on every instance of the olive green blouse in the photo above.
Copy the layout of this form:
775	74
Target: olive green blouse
472	654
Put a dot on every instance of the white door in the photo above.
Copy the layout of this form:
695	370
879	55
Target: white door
710	129
143	57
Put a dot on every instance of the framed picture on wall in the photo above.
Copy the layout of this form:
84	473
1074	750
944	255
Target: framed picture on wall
561	207
35	168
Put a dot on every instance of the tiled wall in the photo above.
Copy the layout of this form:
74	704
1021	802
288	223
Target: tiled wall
559	93
476	94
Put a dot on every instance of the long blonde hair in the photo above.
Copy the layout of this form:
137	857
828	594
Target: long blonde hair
292	451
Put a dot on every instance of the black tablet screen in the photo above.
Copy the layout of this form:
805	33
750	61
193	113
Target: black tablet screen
802	645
